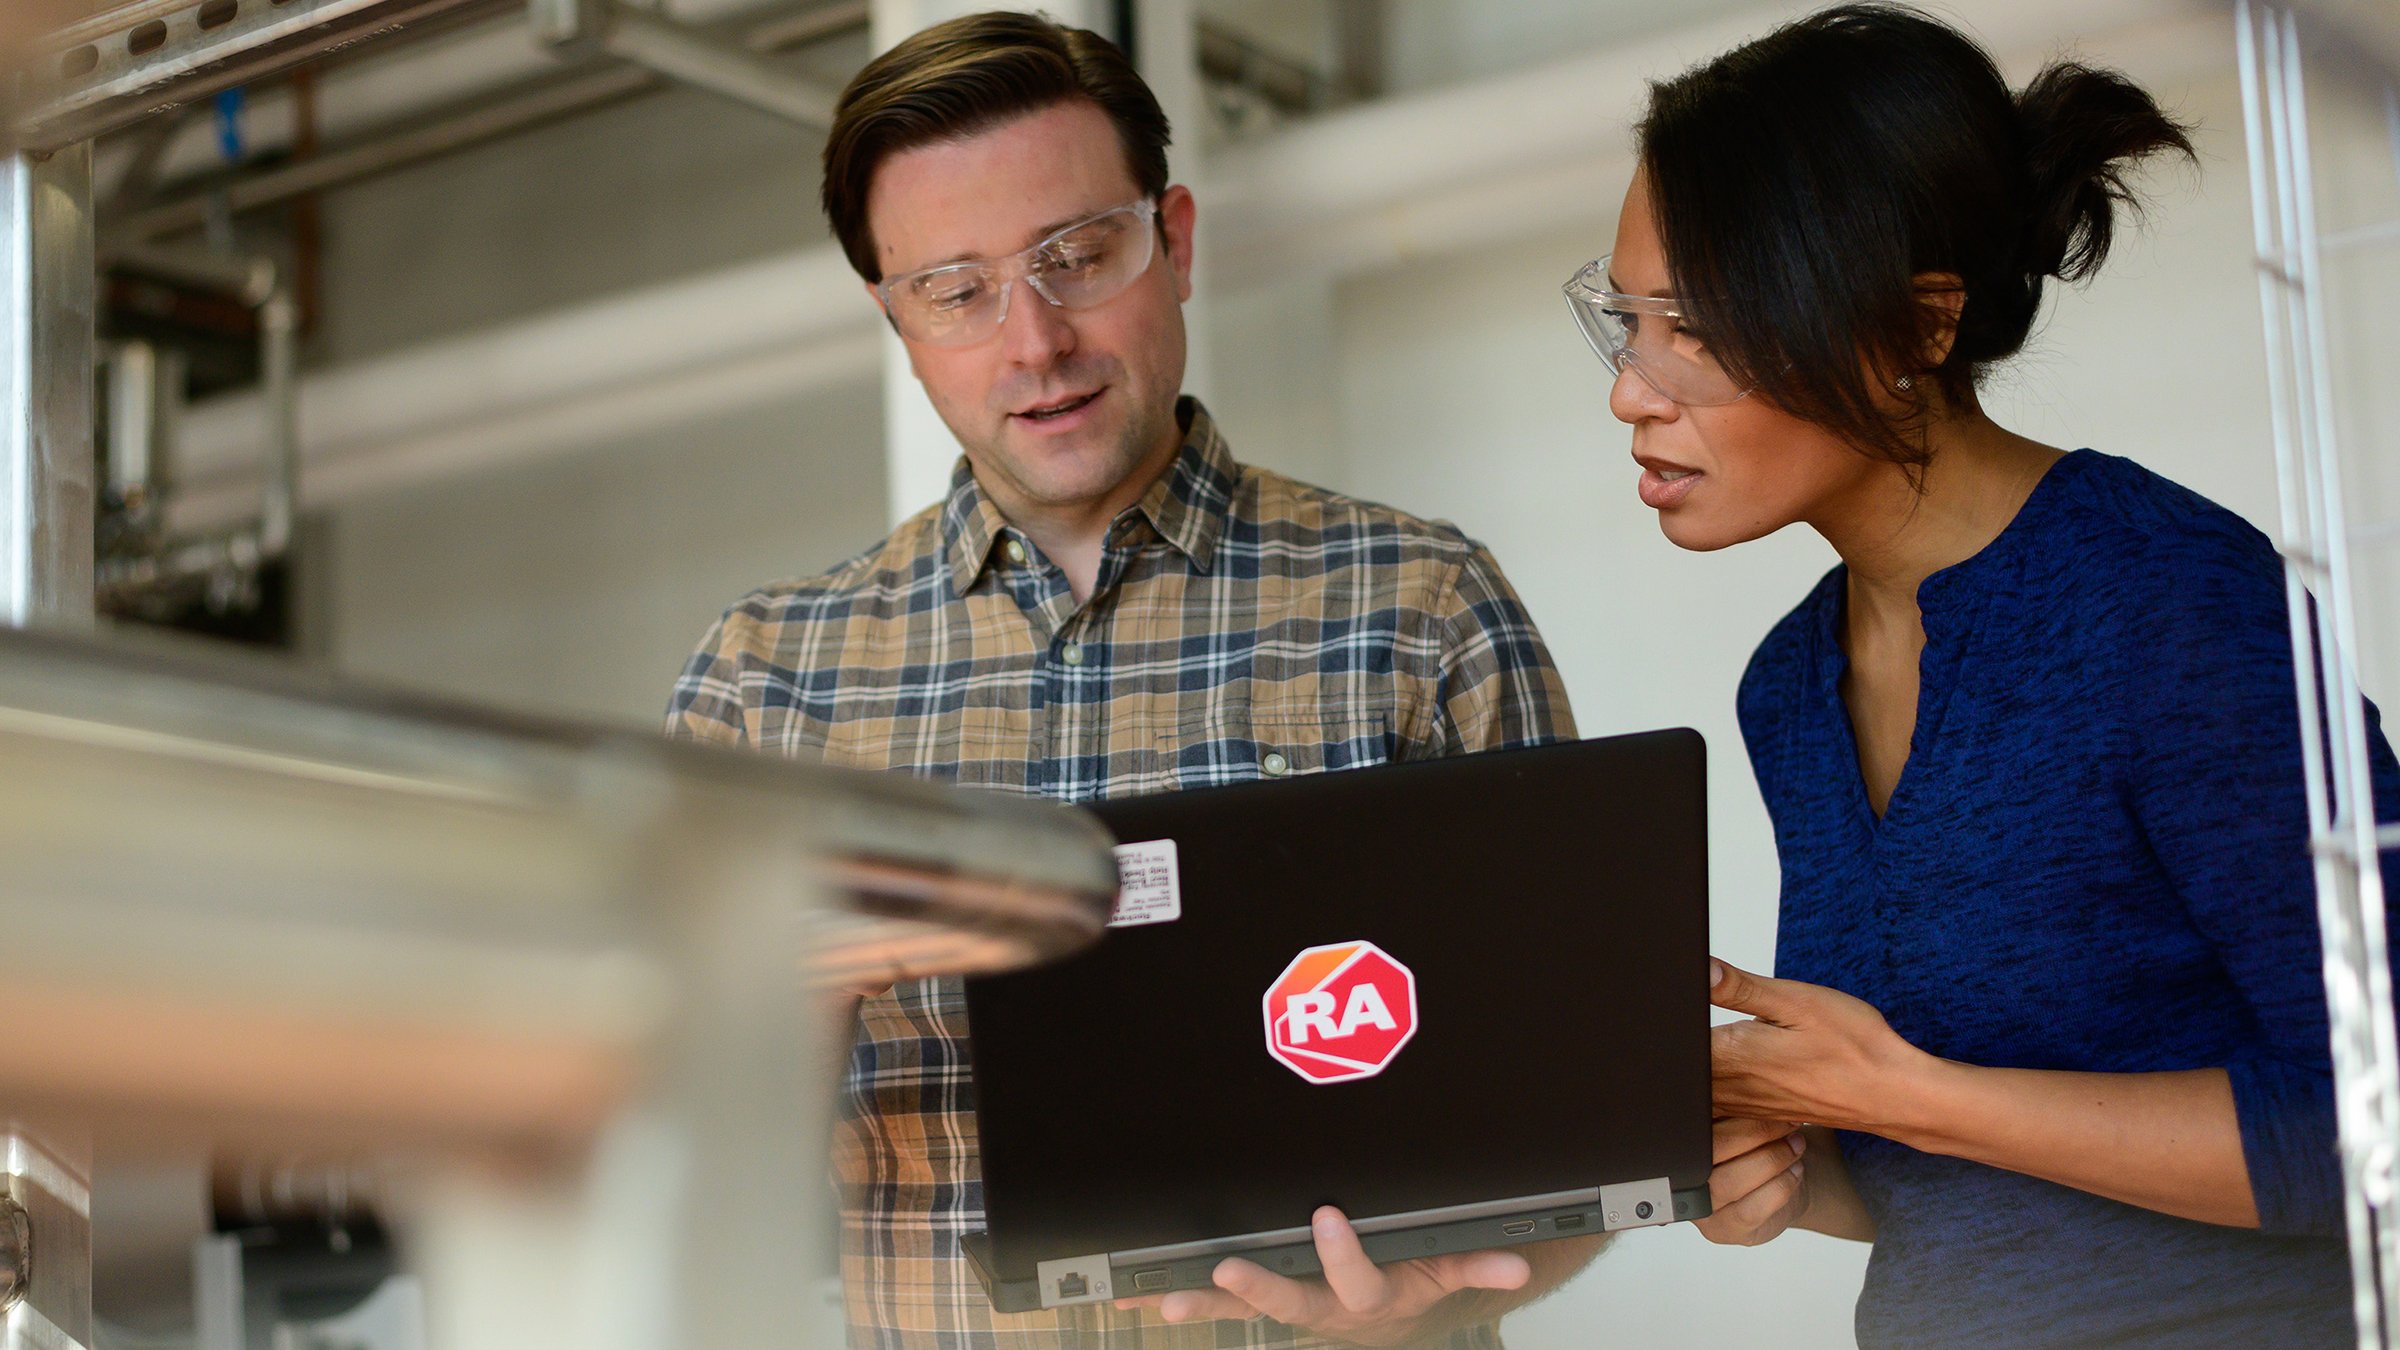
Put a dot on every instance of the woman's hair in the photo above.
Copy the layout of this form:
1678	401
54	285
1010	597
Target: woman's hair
1803	182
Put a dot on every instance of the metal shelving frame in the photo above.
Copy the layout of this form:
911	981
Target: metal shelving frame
2320	542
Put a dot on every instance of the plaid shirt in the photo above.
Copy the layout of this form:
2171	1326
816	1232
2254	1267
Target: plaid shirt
1242	624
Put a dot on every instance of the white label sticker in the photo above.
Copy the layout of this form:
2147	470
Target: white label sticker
1149	890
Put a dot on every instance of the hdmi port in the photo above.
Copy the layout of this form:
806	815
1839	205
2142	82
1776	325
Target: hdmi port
1518	1229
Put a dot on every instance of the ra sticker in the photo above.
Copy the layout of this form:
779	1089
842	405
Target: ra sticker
1341	1012
1149	890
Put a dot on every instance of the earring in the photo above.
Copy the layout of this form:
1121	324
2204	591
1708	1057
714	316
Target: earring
1905	383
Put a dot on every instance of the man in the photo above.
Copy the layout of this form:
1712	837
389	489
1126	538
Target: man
1106	604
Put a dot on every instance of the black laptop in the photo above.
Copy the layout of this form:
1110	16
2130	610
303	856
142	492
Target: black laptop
1465	1000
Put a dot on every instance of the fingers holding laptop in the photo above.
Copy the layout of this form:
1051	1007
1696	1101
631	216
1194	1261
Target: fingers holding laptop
1357	1300
1758	1187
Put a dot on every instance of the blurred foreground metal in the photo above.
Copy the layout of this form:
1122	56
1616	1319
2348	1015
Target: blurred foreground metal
547	980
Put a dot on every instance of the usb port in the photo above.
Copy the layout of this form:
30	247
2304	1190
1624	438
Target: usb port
1567	1223
1518	1229
1148	1280
1073	1286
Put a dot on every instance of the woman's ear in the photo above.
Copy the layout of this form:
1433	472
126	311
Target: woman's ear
1943	297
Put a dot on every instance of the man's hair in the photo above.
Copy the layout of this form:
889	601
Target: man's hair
957	79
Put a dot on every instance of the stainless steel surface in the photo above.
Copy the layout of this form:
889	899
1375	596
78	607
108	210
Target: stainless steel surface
45	1178
2337	773
261	795
16	1252
552	982
47	294
134	60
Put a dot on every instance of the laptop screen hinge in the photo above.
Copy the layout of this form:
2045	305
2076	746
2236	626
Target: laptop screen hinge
1074	1279
1637	1204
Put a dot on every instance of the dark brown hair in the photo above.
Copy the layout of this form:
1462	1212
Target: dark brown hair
966	76
1803	181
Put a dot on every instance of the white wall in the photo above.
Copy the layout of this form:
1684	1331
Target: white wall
1454	386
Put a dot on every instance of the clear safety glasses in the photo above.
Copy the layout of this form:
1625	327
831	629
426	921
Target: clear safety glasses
1088	263
1648	335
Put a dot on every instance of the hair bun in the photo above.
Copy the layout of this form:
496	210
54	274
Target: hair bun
2085	131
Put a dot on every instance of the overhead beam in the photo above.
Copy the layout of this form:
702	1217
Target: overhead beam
580	29
133	60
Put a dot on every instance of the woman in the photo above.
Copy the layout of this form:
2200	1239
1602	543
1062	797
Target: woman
2047	930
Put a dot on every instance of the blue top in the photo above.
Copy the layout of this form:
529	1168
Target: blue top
2095	860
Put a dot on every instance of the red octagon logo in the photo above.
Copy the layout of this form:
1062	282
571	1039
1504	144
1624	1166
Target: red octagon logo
1341	1012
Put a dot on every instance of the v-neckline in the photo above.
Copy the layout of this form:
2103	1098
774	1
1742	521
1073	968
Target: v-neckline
1862	800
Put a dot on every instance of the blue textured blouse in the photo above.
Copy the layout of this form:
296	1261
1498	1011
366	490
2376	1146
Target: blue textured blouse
2095	860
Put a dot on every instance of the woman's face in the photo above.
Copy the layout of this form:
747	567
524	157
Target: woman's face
1726	474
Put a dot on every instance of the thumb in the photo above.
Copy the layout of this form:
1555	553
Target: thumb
1762	996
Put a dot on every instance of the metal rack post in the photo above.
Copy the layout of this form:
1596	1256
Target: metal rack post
2346	840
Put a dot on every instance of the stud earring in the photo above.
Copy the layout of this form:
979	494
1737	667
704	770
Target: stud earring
1905	383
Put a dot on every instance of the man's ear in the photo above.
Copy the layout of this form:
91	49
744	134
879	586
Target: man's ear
1177	217
1944	297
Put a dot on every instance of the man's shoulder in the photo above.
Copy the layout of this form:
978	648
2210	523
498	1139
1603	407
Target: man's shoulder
1279	509
902	571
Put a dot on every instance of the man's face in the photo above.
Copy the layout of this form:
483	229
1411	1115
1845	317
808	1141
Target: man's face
1059	408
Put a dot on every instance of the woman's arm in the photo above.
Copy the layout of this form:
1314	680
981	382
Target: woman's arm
2164	1141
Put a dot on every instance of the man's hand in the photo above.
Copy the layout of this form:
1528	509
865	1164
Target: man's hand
1758	1187
1356	1301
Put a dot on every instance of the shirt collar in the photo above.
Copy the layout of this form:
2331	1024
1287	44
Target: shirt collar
1187	505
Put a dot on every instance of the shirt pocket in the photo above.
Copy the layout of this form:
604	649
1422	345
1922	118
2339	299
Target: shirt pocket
1272	742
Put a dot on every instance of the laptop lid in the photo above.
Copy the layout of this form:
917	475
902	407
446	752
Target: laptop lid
1529	930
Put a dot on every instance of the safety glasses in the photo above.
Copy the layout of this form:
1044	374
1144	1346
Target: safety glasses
1087	263
1652	336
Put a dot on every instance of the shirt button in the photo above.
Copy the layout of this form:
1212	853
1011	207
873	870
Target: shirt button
1015	551
1275	764
1073	655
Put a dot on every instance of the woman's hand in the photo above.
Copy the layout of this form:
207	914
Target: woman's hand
1759	1185
1811	1055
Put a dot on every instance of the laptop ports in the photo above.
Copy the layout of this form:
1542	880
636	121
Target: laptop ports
1518	1229
1568	1223
1073	1286
1151	1281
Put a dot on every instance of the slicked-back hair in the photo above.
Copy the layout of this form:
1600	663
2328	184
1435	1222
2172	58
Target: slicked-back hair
966	76
1804	182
